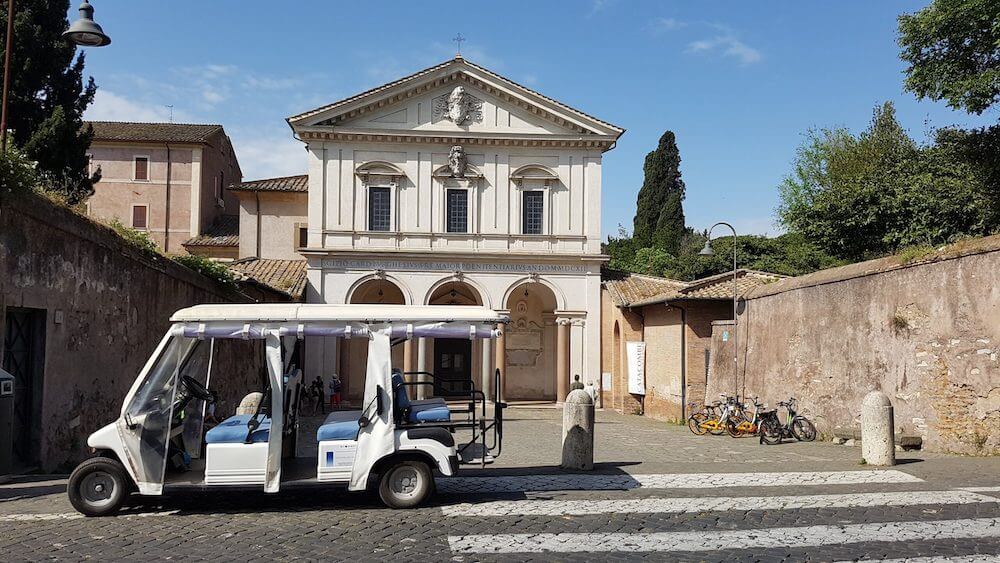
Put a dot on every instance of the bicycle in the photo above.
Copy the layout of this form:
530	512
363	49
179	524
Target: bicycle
796	426
749	426
696	422
727	417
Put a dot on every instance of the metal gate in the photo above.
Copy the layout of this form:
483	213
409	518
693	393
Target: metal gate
23	357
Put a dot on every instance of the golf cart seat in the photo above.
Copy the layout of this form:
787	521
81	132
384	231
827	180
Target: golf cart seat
397	381
412	412
339	425
234	429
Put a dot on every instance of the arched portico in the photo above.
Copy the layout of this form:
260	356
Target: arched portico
375	290
379	289
530	369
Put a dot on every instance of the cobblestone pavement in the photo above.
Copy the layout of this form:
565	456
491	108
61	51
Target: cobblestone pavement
658	492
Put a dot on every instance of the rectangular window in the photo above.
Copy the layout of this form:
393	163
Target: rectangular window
303	239
458	211
379	210
140	217
141	168
533	205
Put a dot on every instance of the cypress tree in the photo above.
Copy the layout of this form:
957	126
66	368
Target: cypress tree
659	215
48	96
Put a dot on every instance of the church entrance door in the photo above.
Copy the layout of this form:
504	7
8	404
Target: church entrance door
452	365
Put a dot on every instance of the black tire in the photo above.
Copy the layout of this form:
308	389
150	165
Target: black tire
98	487
405	484
770	433
803	429
731	428
695	421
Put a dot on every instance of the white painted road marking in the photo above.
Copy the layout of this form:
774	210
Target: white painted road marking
699	540
622	482
46	516
936	559
705	504
984	489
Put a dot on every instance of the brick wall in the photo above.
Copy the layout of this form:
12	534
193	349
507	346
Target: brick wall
926	334
105	306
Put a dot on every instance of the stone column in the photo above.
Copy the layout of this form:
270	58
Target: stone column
501	360
408	358
562	359
487	379
423	391
878	444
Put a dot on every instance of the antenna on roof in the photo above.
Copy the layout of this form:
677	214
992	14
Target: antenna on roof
171	113
458	39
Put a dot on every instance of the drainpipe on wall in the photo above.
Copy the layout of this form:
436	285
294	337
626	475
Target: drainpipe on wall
257	209
166	213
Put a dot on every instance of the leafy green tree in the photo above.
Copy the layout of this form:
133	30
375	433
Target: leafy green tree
953	51
659	214
873	194
48	96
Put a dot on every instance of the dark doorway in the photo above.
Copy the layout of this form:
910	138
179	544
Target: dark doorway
24	358
452	365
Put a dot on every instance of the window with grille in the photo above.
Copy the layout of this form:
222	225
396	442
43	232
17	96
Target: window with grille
532	212
379	210
458	211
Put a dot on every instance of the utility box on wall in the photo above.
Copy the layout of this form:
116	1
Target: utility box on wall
6	425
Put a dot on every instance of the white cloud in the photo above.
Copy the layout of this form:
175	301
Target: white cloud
667	24
728	46
269	155
109	106
599	5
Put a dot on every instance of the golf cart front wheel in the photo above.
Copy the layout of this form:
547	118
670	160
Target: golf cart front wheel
406	484
98	487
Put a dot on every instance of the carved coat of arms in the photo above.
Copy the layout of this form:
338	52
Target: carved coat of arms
457	161
459	107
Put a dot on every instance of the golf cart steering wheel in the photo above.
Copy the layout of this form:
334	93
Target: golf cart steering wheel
197	390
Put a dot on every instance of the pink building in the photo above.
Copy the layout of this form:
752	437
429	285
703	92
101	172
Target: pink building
168	179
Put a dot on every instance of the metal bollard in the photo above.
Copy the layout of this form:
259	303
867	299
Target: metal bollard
878	445
578	431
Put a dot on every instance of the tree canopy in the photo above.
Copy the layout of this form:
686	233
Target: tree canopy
953	51
862	196
48	96
659	215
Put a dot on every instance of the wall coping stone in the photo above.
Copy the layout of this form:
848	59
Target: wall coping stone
984	245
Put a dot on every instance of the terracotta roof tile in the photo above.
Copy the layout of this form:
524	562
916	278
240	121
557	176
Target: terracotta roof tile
637	288
125	131
287	276
225	231
298	183
720	286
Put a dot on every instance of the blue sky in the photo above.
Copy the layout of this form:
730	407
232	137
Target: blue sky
738	82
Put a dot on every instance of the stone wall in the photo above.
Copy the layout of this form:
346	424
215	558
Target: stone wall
105	306
926	333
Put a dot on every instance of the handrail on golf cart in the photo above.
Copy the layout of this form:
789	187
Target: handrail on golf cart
479	428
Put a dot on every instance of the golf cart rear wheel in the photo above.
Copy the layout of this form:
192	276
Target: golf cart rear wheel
406	484
98	487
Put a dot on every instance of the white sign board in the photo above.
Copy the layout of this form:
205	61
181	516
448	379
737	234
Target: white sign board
636	353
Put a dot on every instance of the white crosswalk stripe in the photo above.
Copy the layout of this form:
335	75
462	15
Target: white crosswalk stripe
591	482
700	541
706	504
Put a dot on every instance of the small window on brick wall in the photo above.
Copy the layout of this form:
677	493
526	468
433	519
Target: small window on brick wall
140	217
142	168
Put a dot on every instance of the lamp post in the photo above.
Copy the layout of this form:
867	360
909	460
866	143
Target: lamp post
707	251
84	32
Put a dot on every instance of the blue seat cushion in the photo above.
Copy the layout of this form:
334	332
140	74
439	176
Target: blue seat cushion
339	425
429	413
234	430
433	401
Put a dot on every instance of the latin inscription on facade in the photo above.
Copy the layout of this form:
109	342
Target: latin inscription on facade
390	265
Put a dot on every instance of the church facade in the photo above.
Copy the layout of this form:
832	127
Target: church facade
455	185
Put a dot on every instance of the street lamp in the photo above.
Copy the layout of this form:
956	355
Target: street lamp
84	32
707	251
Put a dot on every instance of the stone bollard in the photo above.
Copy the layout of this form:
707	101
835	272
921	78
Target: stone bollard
578	431
877	440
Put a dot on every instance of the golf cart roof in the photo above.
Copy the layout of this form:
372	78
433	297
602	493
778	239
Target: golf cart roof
371	314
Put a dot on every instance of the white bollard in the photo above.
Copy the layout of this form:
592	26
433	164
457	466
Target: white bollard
877	440
578	431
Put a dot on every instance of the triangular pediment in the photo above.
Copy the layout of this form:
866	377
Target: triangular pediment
455	98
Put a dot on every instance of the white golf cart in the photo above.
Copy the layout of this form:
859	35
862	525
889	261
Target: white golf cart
391	444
